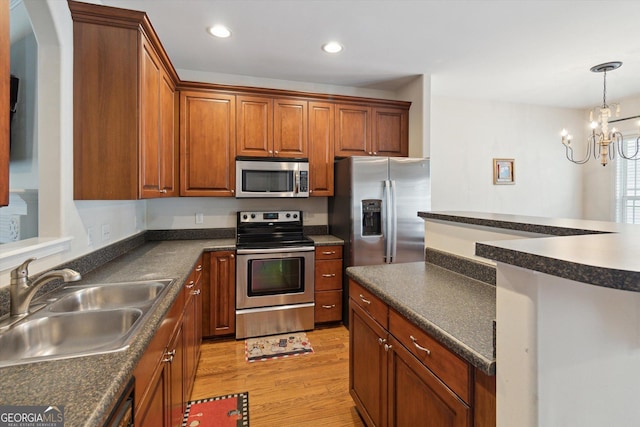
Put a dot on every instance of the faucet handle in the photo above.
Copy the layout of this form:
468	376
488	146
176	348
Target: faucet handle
22	271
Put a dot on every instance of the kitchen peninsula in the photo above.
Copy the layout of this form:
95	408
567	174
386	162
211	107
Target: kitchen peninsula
567	305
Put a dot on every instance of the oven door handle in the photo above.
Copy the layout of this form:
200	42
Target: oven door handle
275	250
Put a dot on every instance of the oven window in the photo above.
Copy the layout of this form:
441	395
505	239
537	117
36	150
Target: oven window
257	181
276	276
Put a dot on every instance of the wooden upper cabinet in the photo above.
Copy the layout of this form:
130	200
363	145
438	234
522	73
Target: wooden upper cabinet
353	130
390	132
371	131
321	148
290	128
255	126
207	143
5	47
271	127
159	158
125	141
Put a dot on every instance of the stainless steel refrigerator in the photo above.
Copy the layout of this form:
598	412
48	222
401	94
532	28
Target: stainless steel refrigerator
375	210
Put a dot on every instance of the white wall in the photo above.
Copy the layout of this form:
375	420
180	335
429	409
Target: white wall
467	134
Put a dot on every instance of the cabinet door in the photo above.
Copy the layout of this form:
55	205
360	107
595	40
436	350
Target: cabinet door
390	132
207	144
321	148
290	128
255	126
418	397
153	413
150	156
175	359
222	294
368	366
168	138
353	131
192	325
4	99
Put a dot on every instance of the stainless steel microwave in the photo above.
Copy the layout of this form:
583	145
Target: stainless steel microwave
271	177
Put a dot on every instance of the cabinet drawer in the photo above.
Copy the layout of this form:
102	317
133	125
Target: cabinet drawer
328	306
328	252
328	275
452	370
369	303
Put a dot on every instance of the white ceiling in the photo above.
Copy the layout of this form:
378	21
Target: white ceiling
535	52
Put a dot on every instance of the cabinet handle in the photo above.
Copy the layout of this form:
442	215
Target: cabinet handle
381	341
387	347
329	275
375	153
328	307
270	152
196	292
370	153
199	268
418	346
164	190
169	356
366	301
190	285
233	191
328	252
276	152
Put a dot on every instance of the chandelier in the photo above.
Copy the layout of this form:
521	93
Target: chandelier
602	141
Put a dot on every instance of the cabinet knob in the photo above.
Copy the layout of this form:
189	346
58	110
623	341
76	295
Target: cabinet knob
375	153
387	347
418	346
381	341
199	268
276	152
232	256
270	152
233	191
370	153
196	292
190	285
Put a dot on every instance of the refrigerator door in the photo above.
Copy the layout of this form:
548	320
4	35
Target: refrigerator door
368	176
411	189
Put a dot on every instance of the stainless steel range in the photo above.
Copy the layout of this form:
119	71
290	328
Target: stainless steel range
274	274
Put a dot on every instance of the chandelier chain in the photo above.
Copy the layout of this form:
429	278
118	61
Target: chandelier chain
604	92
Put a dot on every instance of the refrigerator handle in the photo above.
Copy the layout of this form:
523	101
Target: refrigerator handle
388	233
394	221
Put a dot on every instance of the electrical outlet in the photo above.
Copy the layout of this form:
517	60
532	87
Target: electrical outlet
90	236
199	218
106	232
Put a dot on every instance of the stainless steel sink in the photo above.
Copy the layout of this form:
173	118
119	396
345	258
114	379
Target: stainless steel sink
108	296
64	335
80	321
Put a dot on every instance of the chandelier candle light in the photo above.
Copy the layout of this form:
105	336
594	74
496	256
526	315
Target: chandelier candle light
601	137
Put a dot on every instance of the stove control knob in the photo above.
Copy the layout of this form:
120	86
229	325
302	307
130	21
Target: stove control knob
244	216
253	216
288	215
295	216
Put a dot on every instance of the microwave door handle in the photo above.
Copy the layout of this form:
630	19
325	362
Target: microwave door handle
296	190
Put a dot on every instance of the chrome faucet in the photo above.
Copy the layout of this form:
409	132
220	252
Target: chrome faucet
22	289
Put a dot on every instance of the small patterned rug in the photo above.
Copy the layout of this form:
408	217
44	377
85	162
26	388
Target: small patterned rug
222	411
277	346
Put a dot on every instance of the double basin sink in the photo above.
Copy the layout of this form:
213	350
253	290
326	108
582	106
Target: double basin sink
81	320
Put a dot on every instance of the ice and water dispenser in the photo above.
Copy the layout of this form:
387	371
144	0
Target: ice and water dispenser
371	217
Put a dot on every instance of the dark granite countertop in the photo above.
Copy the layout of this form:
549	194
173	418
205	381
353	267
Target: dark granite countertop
88	386
456	310
592	252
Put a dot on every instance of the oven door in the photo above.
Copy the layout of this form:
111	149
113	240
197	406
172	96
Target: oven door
272	277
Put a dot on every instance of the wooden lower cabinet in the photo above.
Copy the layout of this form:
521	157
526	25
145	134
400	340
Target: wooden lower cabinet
219	294
328	284
392	385
165	373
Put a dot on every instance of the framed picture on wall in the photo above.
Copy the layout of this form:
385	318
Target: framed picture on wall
504	171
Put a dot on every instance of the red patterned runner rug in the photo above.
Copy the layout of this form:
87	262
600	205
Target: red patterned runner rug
222	411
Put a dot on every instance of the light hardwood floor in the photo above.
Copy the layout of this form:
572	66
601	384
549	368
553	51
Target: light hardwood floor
308	390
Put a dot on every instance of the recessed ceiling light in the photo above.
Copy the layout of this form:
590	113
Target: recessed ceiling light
219	31
332	47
